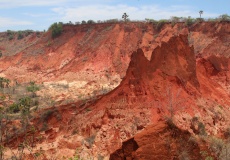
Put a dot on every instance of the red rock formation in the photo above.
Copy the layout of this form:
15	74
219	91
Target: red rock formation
159	142
165	69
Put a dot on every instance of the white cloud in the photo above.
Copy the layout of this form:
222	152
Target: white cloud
8	22
103	12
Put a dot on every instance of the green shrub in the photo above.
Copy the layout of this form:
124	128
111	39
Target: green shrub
199	20
76	157
0	53
224	17
36	102
201	129
9	32
212	20
174	20
220	147
25	103
20	35
4	82
216	145
100	157
111	21
48	44
206	156
28	32
151	20
37	33
33	88
90	140
160	24
209	158
46	115
170	123
225	154
90	22
56	29
227	133
44	127
13	108
189	21
22	105
11	37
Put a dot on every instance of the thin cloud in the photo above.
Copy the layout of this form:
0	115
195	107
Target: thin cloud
25	3
103	12
21	3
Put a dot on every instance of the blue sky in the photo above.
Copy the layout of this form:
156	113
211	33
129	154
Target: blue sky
38	15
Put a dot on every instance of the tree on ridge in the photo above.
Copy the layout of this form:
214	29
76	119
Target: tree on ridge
125	16
201	12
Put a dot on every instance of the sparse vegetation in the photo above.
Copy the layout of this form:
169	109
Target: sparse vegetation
20	34
7	130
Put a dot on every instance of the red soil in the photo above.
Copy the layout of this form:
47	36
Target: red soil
186	65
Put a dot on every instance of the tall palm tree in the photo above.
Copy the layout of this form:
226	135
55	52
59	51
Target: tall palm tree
201	12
